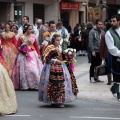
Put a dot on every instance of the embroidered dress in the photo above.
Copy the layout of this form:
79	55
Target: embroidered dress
27	68
9	48
56	83
8	102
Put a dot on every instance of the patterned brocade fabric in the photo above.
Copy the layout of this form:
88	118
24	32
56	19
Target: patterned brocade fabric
74	85
57	82
50	52
56	73
56	92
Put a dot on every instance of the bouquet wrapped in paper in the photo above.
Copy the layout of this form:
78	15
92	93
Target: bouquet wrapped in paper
70	55
25	50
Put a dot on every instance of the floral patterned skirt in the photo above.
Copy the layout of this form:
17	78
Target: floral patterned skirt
26	72
9	57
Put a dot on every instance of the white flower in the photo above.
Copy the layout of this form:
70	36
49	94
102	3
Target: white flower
71	49
66	40
65	51
74	50
69	53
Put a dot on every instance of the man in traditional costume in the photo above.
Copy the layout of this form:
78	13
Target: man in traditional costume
112	39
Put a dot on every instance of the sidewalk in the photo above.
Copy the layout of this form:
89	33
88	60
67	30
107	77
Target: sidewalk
93	91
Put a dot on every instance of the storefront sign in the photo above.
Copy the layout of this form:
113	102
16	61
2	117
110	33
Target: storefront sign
10	1
95	13
69	6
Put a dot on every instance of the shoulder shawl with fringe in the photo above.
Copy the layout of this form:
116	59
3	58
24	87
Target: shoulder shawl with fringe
24	39
56	70
10	44
50	52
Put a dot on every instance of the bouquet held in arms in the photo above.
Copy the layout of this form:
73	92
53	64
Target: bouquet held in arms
24	49
70	55
65	43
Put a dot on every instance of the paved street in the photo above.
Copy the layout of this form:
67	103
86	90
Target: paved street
95	101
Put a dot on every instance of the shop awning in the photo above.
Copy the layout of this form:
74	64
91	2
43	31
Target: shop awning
69	6
9	1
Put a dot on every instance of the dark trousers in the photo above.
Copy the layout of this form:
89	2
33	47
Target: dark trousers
95	61
108	67
116	69
89	54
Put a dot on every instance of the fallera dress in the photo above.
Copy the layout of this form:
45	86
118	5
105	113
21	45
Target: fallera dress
8	103
28	65
9	48
57	85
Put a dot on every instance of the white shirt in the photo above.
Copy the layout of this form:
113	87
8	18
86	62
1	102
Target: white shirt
110	43
66	34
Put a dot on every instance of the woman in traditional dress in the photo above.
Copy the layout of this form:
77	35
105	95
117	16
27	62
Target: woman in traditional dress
8	104
27	68
57	86
15	30
9	46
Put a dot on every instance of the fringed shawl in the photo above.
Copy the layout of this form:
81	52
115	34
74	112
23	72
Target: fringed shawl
56	70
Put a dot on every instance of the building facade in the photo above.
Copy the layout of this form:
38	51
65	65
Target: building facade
45	9
107	8
74	11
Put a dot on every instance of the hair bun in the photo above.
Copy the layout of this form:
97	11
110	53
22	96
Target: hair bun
25	27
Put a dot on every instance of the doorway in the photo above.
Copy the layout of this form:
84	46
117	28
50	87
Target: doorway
81	19
65	17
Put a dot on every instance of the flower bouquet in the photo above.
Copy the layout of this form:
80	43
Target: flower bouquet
65	43
70	55
25	50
